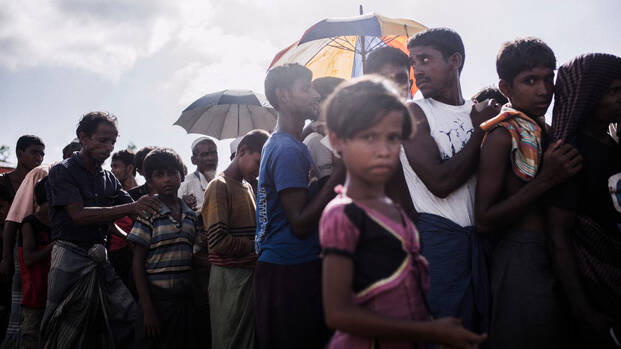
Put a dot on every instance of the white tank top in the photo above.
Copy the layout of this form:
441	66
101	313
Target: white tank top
451	128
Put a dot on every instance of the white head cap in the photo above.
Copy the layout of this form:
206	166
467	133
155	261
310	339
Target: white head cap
201	140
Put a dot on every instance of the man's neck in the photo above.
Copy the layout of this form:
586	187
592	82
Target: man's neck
290	123
233	171
451	95
169	200
90	163
129	183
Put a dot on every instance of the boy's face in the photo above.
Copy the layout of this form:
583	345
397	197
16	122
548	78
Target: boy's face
531	90
432	72
101	143
301	99
121	171
31	157
165	181
372	155
609	107
400	75
249	163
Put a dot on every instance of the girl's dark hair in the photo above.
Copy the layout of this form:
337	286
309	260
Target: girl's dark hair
162	159
361	103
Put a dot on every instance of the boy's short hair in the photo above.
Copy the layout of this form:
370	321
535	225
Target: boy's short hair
490	92
126	156
70	148
444	40
162	159
89	122
522	54
283	77
360	103
26	141
40	192
326	85
254	140
141	154
386	55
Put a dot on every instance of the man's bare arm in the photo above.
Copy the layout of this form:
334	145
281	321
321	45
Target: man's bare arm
442	177
302	216
492	211
8	243
145	206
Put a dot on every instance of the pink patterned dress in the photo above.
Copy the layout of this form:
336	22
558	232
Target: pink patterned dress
390	276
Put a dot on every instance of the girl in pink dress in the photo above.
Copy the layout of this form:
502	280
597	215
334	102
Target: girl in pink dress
374	278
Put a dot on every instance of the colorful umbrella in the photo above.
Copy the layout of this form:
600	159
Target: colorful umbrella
339	46
228	114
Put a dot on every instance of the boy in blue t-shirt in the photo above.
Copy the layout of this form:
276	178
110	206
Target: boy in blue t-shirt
162	263
288	272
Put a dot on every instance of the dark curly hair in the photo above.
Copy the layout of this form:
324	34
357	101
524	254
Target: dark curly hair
162	159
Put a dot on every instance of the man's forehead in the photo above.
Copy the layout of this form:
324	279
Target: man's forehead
391	68
537	71
105	129
424	50
205	146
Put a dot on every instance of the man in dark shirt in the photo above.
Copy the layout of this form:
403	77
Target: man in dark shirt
88	305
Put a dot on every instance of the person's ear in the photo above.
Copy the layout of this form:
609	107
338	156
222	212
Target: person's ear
194	160
82	136
242	150
283	96
131	168
456	60
505	88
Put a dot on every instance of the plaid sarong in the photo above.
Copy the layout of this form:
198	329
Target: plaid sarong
88	306
526	141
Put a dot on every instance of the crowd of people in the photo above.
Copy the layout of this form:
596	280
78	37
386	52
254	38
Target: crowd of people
384	222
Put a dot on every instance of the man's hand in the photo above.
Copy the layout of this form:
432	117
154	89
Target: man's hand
6	270
449	331
484	111
146	206
151	324
190	200
560	162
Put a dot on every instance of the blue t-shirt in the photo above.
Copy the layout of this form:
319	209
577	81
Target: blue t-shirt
285	163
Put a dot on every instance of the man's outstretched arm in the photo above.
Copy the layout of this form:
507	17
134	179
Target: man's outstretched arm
442	177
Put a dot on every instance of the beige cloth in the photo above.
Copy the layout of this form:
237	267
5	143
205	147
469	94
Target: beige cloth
24	202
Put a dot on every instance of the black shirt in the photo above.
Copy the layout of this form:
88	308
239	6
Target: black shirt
138	192
587	192
71	182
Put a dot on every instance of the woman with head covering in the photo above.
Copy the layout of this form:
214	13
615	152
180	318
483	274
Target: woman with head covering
584	220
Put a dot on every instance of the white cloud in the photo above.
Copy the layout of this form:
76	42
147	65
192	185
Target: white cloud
103	37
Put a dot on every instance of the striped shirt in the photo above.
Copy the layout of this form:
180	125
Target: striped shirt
168	263
229	212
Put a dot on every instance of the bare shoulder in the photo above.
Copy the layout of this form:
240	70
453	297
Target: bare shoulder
497	139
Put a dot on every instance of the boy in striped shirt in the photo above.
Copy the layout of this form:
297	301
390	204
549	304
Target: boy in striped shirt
162	263
229	212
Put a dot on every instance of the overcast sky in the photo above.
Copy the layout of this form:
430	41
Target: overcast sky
146	60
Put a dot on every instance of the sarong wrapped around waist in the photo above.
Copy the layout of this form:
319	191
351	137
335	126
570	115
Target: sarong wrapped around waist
458	270
88	306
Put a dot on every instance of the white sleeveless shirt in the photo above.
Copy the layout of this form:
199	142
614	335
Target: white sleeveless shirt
451	128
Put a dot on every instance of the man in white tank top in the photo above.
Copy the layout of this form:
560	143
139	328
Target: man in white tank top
439	163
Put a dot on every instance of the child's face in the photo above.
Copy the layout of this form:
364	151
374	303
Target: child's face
165	181
531	90
372	155
609	107
249	163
